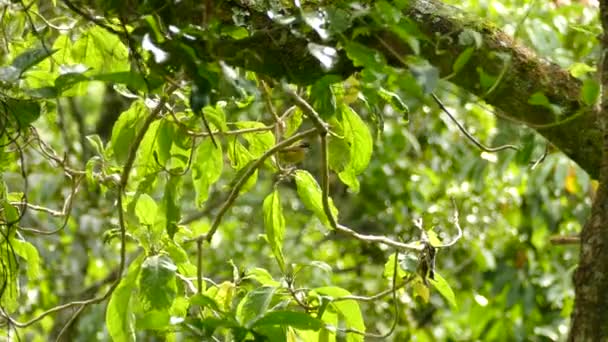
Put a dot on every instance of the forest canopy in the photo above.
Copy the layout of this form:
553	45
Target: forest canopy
301	171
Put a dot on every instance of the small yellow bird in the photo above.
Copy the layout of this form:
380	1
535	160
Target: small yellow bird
294	154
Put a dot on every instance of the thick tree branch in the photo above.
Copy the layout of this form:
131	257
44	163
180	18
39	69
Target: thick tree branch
571	127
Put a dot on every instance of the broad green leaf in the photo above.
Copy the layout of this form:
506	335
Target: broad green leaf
29	253
254	305
590	92
293	122
362	55
389	268
157	286
274	222
442	286
580	69
146	210
216	116
262	276
259	142
338	153
170	204
164	140
153	320
298	320
311	196
180	258
206	169
125	129
539	99
349	310
223	294
30	58
101	51
239	155
486	80
323	98
359	139
205	301
24	112
120	320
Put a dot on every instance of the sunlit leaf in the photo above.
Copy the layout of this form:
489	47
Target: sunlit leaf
254	305
125	129
349	310
206	169
29	253
442	286
274	222
120	319
310	194
156	282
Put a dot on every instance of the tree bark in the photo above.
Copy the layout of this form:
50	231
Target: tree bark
590	315
276	52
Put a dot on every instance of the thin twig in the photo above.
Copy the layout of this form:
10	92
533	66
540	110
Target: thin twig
469	135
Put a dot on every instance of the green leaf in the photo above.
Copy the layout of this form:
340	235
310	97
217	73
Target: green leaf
590	92
24	112
259	142
262	276
156	282
30	58
101	51
274	222
120	320
125	130
433	238
349	310
462	59
298	320
389	267
153	320
205	301
95	142
580	69
206	169
362	56
170	204
29	253
146	210
311	196
322	96
442	286
254	305
359	139
539	99
395	101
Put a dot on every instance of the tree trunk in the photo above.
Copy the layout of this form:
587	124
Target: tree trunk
590	315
